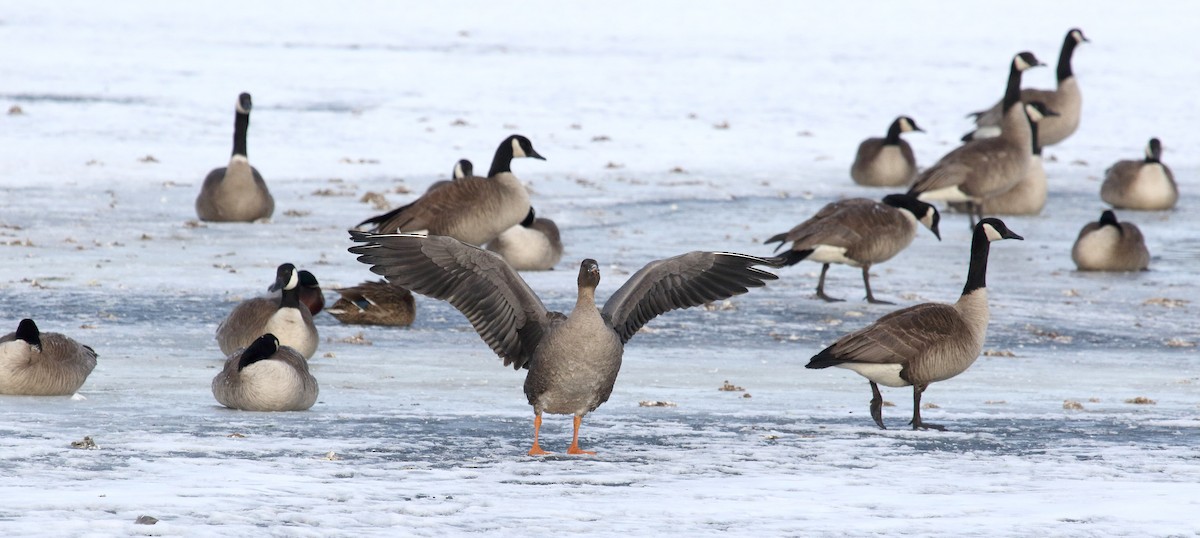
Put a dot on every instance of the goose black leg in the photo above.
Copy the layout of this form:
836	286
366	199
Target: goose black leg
877	405
821	287
866	270
917	423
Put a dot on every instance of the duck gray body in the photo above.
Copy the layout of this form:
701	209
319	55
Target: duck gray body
285	317
1146	184
925	343
532	245
888	161
1109	245
237	192
266	376
472	209
573	359
35	363
374	303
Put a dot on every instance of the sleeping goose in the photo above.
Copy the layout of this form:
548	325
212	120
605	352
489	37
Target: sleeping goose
886	162
285	316
237	192
573	359
532	245
473	209
266	376
35	363
857	232
983	168
1065	99
1028	197
1145	184
374	303
1108	245
925	343
463	168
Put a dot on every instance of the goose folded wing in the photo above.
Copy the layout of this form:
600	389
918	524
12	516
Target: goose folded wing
895	338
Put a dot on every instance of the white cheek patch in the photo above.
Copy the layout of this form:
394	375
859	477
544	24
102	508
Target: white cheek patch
1034	115
1077	36
991	233
458	172
516	147
293	282
1020	63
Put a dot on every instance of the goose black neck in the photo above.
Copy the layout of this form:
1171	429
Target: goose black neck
977	272
1064	58
28	331
1012	94
502	162
241	123
1037	148
258	350
290	298
893	135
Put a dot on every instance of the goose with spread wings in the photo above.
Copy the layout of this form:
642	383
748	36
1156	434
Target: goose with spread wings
573	359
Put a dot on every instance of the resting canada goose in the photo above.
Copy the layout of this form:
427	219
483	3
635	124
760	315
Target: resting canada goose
34	363
532	245
886	162
925	343
1028	196
982	168
473	209
282	316
266	376
237	192
462	168
857	232
572	359
1065	99
1145	184
374	303
1108	245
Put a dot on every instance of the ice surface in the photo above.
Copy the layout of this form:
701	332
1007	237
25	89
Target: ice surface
421	432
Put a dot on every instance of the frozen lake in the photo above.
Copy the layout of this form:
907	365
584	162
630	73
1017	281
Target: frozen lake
668	128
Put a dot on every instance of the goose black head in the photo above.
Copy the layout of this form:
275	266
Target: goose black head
286	278
463	168
925	213
1154	151
522	147
529	218
261	349
1108	218
243	103
1025	60
995	230
1077	35
28	332
589	274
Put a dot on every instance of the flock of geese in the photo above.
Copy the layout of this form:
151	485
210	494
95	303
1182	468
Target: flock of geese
465	239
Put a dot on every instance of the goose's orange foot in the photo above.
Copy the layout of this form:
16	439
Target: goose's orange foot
537	451
576	450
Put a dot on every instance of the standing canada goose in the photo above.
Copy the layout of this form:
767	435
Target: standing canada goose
857	232
1028	196
1108	245
375	303
473	209
983	168
285	317
532	245
33	363
237	192
1065	99
925	343
572	359
266	376
886	162
1145	184
463	168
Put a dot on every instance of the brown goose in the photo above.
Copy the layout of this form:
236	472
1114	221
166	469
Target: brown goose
34	363
285	317
886	162
983	168
374	303
1146	184
572	359
266	376
1028	197
1108	245
1065	99
925	343
237	192
473	209
857	232
532	245
463	168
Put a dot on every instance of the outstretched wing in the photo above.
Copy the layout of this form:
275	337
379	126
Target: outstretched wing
497	302
684	281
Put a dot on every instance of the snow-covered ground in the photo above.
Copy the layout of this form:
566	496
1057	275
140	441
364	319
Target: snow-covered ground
668	127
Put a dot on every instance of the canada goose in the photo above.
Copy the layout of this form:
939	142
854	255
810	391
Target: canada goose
1145	184
266	376
572	359
1028	196
983	168
34	363
1065	99
1108	245
857	232
310	292
237	192
462	168
374	303
925	343
472	209
532	245
282	316
886	162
